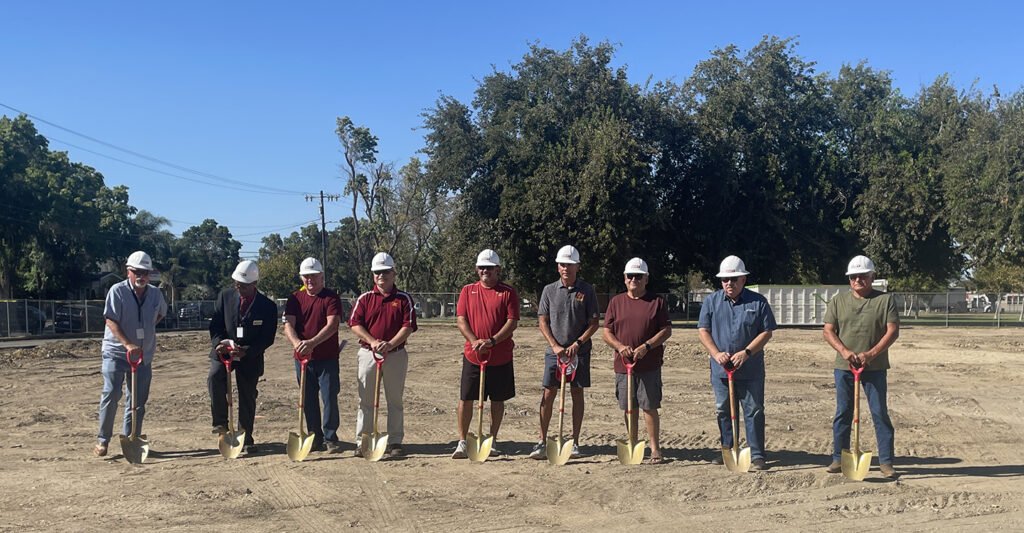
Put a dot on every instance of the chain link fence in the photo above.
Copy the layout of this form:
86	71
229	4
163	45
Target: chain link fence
24	318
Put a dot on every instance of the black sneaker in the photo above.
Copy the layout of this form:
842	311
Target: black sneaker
251	449
333	446
759	464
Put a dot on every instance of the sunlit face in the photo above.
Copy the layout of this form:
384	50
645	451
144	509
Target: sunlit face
384	280
568	271
636	282
861	283
488	275
246	290
733	286
138	277
313	282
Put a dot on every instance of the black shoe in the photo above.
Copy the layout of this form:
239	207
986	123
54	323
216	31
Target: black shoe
219	429
251	449
759	464
318	446
333	446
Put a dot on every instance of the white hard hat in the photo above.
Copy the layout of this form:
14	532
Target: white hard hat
732	267
246	272
859	265
569	255
382	261
310	266
636	266
488	258
140	260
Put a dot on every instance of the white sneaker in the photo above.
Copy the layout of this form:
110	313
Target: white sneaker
575	454
460	450
539	453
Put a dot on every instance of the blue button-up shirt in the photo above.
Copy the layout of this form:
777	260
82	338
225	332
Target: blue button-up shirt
131	313
734	325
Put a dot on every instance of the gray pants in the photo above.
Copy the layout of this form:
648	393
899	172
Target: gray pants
393	384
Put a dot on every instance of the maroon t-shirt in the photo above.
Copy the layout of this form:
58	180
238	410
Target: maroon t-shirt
311	314
487	310
383	314
634	322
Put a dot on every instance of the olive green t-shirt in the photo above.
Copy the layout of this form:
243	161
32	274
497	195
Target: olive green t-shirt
860	323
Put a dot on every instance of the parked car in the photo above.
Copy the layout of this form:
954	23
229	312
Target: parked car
78	317
196	311
21	317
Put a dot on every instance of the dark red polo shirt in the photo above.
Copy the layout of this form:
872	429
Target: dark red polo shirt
487	310
311	314
634	322
383	314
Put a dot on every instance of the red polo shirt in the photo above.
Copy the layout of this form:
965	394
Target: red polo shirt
487	310
383	314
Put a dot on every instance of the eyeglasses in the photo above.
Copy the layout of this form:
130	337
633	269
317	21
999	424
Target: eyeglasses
138	272
634	277
866	275
383	273
726	281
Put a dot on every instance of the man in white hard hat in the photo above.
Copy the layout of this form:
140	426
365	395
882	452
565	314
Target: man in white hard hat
734	326
568	316
382	318
487	313
312	315
636	326
244	325
132	309
861	325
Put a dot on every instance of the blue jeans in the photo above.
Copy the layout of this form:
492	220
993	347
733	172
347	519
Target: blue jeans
750	396
322	379
114	373
875	389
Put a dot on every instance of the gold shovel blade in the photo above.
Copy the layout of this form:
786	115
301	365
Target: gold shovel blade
230	443
479	448
736	462
856	466
134	449
630	454
558	452
299	445
373	449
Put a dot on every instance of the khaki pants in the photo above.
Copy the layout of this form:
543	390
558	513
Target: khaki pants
393	384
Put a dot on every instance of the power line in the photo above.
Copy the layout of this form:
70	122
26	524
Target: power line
253	188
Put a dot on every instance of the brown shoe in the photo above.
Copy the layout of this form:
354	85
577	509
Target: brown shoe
100	449
888	471
834	468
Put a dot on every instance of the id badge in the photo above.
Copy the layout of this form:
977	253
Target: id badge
239	332
140	333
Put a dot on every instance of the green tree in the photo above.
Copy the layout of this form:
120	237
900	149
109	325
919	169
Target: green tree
208	255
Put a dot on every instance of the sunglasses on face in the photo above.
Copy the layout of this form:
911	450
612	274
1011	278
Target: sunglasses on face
139	272
634	277
485	268
859	276
726	281
384	272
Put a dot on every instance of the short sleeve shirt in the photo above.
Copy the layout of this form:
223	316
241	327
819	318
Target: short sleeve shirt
569	311
131	313
733	326
860	323
311	314
383	314
634	322
487	310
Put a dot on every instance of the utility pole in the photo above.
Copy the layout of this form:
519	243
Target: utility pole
323	226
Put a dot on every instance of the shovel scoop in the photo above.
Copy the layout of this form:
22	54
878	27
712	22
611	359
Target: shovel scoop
630	451
856	462
230	443
134	448
373	446
479	445
558	450
735	458
300	442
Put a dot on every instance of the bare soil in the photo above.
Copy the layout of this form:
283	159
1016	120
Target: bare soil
955	397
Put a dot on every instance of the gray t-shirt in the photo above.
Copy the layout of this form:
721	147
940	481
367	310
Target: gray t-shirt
132	313
569	311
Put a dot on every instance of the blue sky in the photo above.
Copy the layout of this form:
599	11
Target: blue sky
250	91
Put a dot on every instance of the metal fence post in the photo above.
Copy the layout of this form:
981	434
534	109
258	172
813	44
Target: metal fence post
947	308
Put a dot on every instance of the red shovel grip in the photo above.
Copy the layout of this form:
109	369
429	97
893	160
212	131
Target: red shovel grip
135	363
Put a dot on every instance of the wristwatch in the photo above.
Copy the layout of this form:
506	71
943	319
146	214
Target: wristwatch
578	343
748	352
648	346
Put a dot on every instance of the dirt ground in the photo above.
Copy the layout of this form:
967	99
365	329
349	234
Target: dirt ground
955	398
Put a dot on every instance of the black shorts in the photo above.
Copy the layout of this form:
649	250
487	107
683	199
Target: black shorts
499	385
553	379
